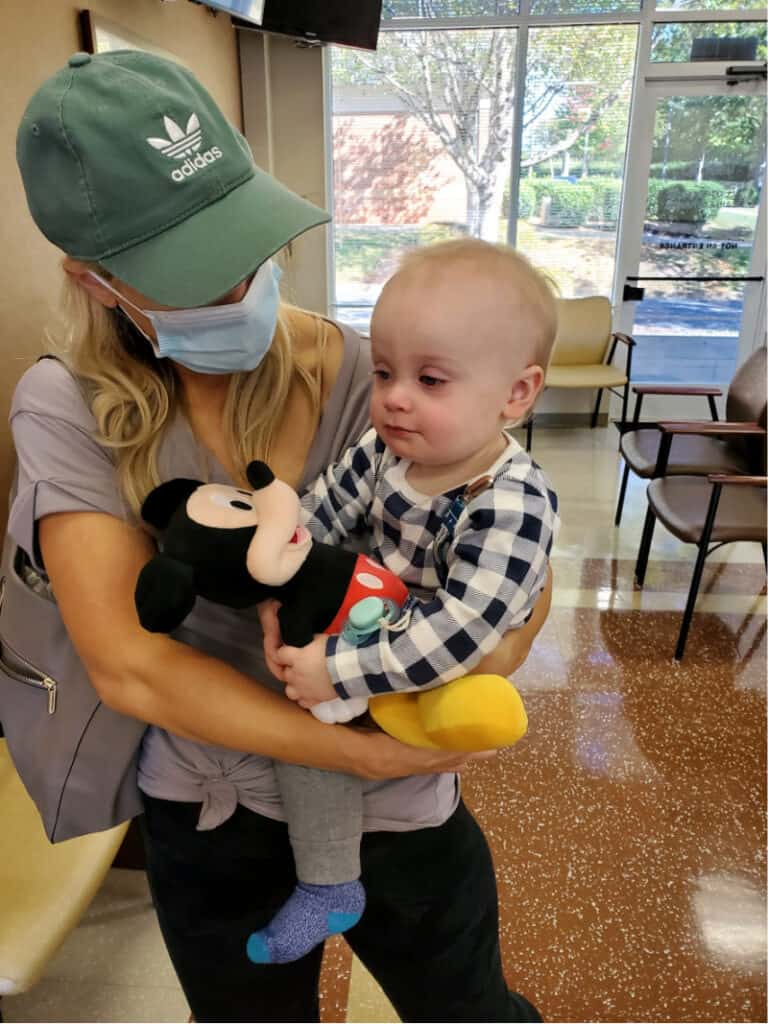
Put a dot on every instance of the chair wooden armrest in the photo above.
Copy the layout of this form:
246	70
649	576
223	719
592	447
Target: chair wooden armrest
707	428
728	478
703	428
626	339
674	389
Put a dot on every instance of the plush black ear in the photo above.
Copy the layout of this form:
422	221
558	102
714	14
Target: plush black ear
165	594
160	504
259	475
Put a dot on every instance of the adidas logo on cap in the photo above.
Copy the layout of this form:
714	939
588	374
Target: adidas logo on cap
180	145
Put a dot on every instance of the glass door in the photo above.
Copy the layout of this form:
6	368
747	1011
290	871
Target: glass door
690	276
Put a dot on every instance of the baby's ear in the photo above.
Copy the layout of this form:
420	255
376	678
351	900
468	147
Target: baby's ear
165	594
160	504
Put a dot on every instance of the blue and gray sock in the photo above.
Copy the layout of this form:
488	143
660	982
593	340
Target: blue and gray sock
310	915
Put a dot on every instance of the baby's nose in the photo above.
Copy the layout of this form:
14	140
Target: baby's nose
397	397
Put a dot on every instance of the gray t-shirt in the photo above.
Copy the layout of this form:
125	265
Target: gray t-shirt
63	469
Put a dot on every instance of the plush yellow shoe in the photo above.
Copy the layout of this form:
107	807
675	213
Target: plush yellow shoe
475	712
398	715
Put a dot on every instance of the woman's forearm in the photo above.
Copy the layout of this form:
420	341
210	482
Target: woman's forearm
191	694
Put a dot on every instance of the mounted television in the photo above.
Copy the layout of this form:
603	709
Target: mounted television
346	22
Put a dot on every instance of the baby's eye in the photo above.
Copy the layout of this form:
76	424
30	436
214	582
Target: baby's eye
429	381
381	374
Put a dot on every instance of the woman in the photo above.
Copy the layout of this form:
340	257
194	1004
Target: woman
182	362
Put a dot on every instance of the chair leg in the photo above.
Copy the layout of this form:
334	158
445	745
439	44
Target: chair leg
691	602
622	492
529	435
765	554
645	546
624	402
597	407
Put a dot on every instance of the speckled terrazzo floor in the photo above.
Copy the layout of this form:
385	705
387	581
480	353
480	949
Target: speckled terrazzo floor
628	828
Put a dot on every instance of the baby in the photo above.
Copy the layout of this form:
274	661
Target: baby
461	337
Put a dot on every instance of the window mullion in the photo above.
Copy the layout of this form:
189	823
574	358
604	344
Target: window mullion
516	149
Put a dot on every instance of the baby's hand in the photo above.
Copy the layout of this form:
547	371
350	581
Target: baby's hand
267	611
305	673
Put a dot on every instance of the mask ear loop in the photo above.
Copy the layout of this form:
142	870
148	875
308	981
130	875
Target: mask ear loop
129	318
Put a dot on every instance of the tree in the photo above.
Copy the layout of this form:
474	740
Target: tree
724	131
461	85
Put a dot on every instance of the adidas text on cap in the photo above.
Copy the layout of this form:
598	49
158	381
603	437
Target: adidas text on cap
128	162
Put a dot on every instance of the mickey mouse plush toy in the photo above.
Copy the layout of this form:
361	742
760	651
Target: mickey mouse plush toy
238	548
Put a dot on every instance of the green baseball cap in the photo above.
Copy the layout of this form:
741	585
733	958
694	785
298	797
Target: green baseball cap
127	161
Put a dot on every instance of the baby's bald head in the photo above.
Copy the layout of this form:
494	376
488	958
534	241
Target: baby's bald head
491	293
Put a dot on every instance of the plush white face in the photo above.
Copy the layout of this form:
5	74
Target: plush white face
280	543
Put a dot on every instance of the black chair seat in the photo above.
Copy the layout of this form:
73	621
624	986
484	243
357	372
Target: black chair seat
690	454
681	504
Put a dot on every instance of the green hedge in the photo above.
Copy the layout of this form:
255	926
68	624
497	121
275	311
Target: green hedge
713	170
606	195
540	187
597	169
527	201
570	204
689	202
592	199
746	195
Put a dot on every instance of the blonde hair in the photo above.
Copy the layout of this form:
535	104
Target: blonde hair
134	397
537	294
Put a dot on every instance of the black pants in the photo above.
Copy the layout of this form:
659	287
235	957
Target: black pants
429	934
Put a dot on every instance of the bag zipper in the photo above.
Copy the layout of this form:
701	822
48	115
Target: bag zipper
31	676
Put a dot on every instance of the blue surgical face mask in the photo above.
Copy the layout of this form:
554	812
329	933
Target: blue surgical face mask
217	339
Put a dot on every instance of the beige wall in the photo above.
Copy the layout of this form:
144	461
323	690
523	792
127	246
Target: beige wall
37	38
283	117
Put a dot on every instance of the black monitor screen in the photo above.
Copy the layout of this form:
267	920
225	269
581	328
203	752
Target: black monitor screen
347	22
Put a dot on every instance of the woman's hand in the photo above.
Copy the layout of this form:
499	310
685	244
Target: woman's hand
516	644
267	612
381	757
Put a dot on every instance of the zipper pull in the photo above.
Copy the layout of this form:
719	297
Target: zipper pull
50	685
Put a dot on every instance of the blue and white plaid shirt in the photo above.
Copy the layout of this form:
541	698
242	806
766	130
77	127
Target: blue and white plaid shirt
476	581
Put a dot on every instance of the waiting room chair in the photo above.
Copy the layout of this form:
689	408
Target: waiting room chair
697	454
583	352
713	510
44	888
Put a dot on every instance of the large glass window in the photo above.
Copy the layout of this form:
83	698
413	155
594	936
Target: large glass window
576	115
422	132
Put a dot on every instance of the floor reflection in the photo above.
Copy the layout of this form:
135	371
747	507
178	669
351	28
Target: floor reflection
730	913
